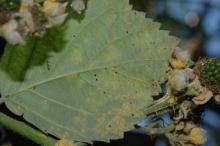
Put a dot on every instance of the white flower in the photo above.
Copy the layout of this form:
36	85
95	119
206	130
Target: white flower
10	33
53	21
180	58
26	22
182	54
178	80
78	6
55	12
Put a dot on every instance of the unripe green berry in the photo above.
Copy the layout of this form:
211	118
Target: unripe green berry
211	71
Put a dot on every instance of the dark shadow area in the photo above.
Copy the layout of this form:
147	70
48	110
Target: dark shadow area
2	46
17	140
130	139
8	137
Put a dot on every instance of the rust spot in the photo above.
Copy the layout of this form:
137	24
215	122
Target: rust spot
126	8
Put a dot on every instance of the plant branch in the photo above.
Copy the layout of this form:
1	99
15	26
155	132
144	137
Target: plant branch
26	131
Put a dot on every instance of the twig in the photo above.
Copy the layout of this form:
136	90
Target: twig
26	131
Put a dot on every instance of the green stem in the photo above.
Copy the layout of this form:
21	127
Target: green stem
26	131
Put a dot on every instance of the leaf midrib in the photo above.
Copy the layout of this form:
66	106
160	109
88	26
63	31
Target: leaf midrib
85	70
76	72
64	75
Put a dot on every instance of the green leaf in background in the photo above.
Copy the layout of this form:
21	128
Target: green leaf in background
94	87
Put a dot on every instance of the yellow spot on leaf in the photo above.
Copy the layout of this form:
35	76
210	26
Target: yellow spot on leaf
64	142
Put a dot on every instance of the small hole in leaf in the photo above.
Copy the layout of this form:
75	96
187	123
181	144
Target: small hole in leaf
109	126
116	72
132	115
95	75
104	92
96	79
127	32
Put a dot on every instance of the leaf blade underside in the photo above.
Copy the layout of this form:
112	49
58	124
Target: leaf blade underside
96	85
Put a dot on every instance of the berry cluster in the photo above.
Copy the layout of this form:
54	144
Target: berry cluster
186	91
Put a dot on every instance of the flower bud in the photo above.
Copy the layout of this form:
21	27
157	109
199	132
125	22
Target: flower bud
78	6
197	136
180	58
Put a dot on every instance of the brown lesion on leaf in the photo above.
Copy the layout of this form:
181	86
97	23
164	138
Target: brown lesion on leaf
126	8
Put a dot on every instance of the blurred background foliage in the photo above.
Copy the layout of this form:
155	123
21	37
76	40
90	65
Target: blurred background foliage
198	20
197	23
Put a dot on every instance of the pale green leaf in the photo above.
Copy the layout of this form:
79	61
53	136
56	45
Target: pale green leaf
103	71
